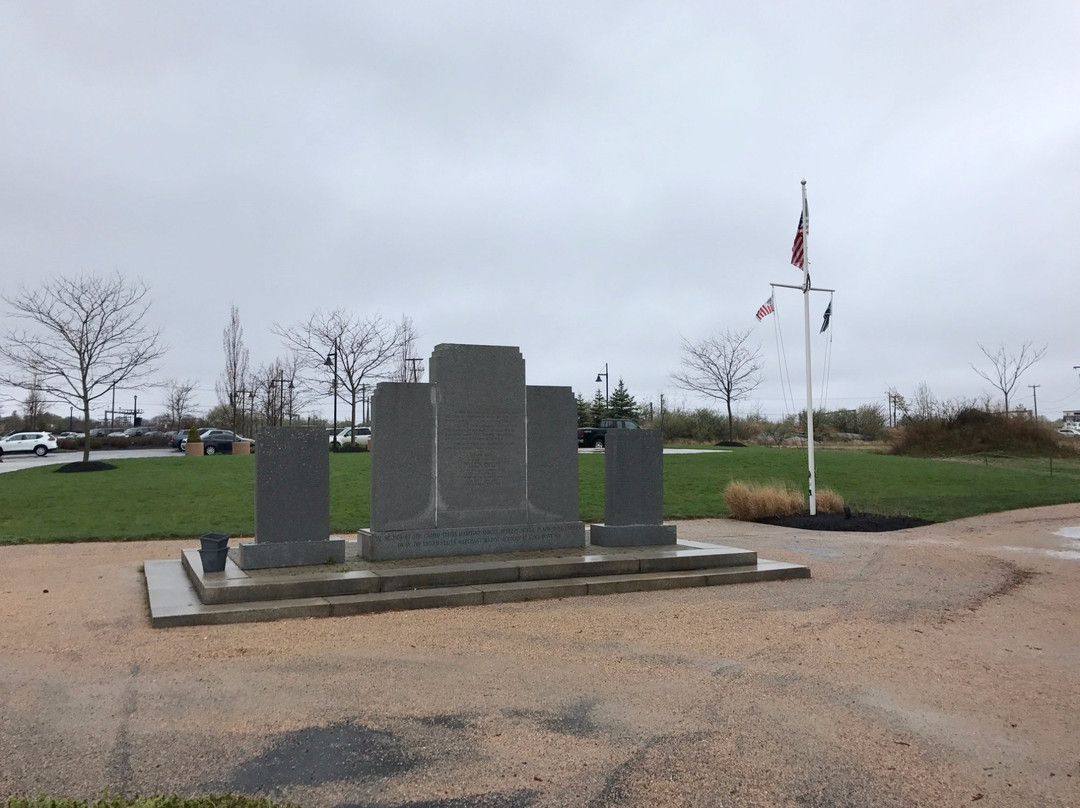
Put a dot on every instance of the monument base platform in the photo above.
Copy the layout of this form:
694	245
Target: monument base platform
389	545
604	535
255	556
181	594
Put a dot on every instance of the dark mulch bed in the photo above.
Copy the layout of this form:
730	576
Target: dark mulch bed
90	465
856	522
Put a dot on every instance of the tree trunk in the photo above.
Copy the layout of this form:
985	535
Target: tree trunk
86	431
730	425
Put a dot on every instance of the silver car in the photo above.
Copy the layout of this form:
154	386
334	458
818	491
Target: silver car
40	443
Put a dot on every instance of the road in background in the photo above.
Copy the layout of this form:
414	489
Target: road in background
14	462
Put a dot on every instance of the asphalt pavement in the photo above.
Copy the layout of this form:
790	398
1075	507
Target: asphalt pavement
14	462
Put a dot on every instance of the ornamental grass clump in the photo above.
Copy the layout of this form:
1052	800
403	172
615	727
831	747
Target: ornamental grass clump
748	503
828	501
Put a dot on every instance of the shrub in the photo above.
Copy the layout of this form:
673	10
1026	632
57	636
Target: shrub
973	431
193	436
752	503
349	446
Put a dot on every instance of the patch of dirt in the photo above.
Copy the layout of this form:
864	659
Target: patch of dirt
90	465
1014	577
853	522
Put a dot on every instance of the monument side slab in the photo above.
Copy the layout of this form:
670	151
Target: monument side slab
552	464
403	457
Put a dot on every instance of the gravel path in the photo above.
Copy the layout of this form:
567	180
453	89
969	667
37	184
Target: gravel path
933	666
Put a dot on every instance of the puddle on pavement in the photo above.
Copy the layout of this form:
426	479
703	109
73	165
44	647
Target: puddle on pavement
1072	544
1070	547
316	755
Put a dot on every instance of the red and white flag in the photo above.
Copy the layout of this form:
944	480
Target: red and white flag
798	249
765	310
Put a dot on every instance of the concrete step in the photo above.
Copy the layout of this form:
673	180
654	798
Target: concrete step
182	595
357	576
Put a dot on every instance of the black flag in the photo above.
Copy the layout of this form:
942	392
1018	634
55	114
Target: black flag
825	322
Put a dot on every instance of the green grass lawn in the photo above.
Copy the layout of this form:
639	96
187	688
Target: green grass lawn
185	497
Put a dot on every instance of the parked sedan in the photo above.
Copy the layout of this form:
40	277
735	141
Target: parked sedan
40	443
216	440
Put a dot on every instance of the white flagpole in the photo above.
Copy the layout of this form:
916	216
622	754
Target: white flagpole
809	379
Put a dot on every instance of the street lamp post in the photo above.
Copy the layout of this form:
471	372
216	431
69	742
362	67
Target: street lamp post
605	376
251	393
331	362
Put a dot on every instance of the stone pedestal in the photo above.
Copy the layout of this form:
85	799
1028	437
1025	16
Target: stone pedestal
633	491
292	501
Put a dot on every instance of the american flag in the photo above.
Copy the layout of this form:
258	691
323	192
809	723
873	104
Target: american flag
765	310
798	249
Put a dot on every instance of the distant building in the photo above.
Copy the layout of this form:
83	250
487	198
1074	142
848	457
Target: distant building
1071	418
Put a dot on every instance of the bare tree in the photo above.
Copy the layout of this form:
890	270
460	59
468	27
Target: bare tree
924	403
179	400
407	369
279	390
230	384
362	350
723	366
33	407
1006	367
86	335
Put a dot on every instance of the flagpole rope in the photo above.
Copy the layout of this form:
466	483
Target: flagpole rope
781	358
825	372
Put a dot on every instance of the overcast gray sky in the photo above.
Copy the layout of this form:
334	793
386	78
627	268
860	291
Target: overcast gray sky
590	181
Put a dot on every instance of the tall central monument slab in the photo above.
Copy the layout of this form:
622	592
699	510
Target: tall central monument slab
473	462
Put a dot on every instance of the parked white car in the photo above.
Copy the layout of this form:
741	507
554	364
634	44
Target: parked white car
40	443
1069	431
352	434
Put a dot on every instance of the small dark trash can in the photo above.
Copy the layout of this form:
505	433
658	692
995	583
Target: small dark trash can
214	551
214	541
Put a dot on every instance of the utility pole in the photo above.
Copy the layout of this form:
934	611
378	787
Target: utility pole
414	362
1035	397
